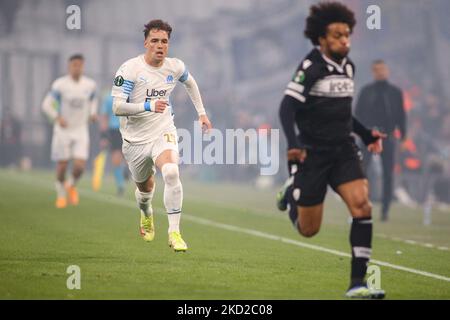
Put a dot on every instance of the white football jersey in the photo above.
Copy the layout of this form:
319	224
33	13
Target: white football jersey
75	100
138	82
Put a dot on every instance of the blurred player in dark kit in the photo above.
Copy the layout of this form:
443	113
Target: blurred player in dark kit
318	100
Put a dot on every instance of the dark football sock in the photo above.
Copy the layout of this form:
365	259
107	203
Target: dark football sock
361	242
293	215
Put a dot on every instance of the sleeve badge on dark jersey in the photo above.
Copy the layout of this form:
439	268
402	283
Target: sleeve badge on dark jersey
118	81
299	77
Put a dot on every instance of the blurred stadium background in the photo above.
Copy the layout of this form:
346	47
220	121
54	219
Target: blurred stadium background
242	54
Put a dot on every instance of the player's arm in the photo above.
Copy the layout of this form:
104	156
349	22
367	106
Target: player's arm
295	98
287	112
51	105
191	87
123	87
123	108
363	132
371	138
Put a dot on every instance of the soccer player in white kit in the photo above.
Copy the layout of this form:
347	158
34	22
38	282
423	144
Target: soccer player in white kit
70	105
141	91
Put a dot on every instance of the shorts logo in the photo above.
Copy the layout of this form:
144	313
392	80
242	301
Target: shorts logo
169	79
118	81
296	194
360	155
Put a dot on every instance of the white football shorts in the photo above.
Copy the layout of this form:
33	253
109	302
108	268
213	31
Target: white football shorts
141	158
70	144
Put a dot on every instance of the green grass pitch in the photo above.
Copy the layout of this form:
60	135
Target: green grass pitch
240	247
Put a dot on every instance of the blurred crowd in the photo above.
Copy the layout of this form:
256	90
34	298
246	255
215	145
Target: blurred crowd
423	162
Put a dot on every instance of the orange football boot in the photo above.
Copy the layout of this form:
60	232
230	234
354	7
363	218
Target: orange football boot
72	195
61	202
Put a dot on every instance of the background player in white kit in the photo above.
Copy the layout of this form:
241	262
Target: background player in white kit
141	91
70	104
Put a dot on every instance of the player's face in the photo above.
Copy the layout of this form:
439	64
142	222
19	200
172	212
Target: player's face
380	71
157	45
76	67
336	42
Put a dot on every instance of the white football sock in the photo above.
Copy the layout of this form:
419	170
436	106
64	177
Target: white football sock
144	201
174	222
173	194
60	190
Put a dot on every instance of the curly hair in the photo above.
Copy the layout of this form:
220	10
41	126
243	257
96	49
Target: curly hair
158	25
324	14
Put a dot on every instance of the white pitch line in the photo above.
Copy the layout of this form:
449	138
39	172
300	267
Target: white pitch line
412	242
256	233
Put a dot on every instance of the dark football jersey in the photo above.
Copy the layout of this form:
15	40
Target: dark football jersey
322	91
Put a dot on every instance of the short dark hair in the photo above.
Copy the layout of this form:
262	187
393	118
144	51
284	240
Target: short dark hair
324	14
157	24
378	61
76	56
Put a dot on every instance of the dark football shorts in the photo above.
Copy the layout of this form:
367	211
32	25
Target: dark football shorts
115	139
322	167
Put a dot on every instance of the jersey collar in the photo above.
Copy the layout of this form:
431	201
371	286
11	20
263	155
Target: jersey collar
141	57
338	67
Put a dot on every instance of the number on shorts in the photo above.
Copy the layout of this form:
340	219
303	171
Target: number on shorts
170	137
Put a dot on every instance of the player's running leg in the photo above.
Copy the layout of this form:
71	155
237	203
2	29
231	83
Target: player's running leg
167	162
356	195
144	195
61	196
307	220
77	171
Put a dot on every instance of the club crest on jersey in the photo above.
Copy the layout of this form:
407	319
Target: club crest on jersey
118	81
169	79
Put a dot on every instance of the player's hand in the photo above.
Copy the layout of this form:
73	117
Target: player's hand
377	146
62	122
205	124
297	155
160	106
